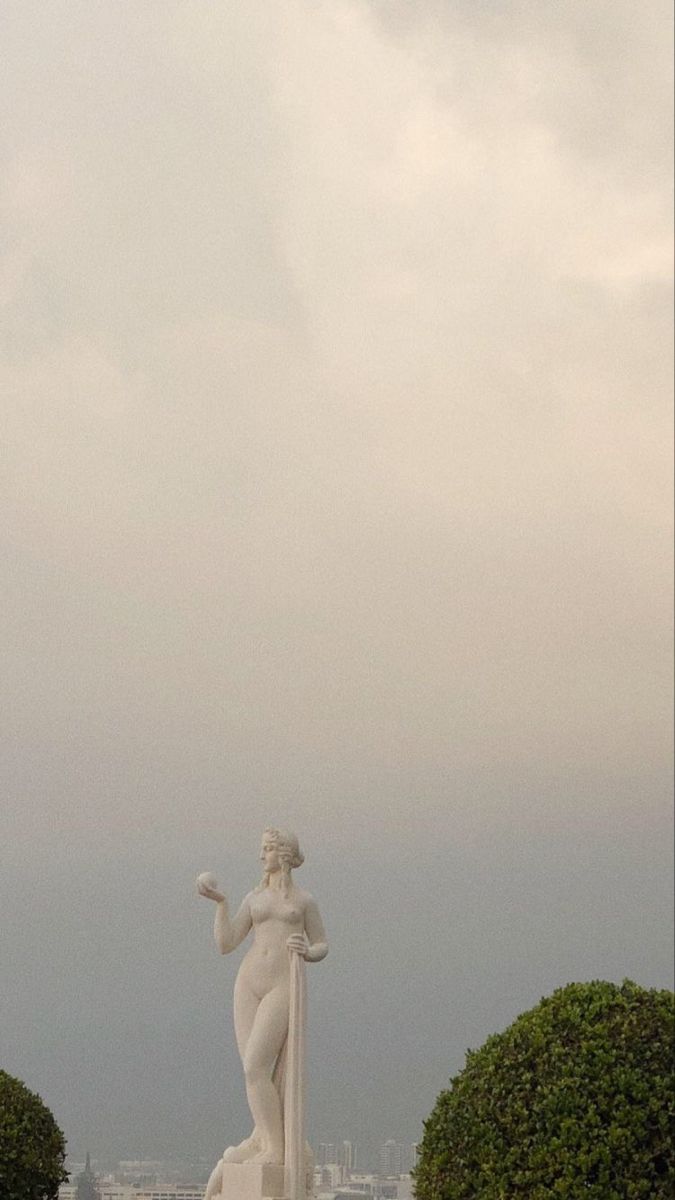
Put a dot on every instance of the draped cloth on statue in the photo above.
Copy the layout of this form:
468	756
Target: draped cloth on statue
293	1071
289	1081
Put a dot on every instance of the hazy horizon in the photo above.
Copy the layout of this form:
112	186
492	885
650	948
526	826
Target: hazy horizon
337	494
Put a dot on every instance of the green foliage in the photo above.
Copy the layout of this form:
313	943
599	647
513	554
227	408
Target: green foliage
32	1147
574	1100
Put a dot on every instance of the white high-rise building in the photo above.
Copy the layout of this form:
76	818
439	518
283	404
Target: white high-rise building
392	1158
348	1156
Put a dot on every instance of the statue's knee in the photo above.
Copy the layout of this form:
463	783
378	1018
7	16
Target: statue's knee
253	1073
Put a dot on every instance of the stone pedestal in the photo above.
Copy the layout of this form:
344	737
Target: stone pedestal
252	1181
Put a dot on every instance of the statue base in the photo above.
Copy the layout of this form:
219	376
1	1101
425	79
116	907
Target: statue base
251	1181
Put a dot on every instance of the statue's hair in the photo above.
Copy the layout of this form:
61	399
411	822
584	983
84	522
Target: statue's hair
290	856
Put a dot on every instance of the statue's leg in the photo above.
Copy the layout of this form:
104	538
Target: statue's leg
265	1041
245	1008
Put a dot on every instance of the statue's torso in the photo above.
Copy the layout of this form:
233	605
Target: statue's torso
275	918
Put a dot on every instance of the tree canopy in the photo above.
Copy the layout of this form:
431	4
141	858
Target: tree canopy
32	1147
575	1099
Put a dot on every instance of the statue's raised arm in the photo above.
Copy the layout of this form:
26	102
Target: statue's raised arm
286	925
228	933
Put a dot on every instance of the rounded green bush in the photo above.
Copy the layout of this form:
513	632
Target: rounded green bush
32	1147
574	1100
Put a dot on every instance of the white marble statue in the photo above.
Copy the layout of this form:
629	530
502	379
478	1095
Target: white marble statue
269	997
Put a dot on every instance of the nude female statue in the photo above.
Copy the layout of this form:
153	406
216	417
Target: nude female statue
285	920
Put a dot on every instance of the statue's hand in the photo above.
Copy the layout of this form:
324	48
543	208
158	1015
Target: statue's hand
297	944
207	886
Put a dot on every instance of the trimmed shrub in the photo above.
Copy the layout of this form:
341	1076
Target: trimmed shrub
32	1147
574	1100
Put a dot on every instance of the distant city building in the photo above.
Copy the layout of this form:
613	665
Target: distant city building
85	1183
362	1185
142	1171
404	1188
167	1193
127	1191
392	1158
375	1187
343	1153
348	1156
397	1158
331	1175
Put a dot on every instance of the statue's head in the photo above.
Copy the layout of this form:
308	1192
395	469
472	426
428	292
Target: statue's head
280	851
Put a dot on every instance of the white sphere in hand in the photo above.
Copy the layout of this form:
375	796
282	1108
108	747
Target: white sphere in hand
207	880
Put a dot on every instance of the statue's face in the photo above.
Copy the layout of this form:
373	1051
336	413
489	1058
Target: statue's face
269	855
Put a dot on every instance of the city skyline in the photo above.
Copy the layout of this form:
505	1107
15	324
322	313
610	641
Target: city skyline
336	1172
341	1152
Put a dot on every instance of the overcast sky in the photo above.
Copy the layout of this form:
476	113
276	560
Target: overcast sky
335	494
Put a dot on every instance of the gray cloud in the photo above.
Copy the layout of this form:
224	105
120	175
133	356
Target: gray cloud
336	487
